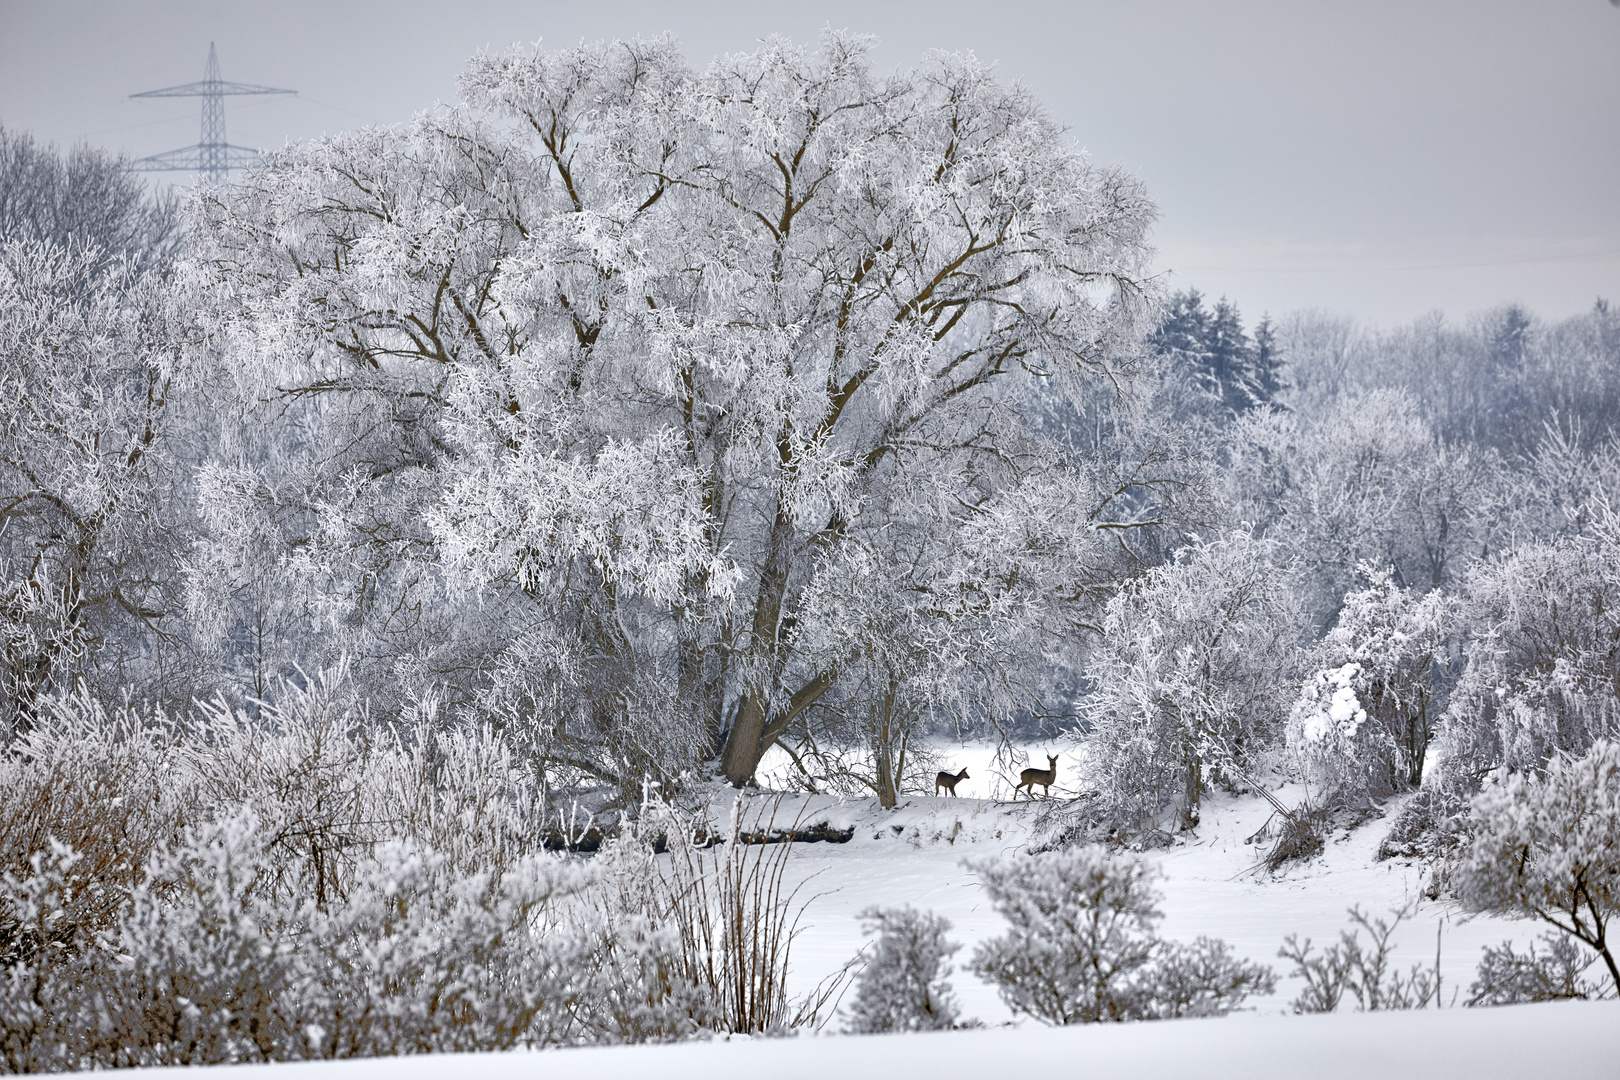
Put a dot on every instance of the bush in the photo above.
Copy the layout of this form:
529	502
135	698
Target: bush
1509	978
1549	847
1364	972
207	966
314	884
903	987
1084	947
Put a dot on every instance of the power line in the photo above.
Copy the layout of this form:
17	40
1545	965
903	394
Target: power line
212	155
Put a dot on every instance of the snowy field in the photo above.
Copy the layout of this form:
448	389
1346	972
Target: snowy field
915	854
1560	1041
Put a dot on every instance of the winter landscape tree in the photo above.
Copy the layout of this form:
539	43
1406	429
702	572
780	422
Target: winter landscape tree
1187	674
624	359
1364	718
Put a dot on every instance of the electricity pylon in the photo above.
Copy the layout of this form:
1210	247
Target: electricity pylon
212	156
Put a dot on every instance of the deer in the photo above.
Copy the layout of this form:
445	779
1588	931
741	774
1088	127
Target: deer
1044	777
948	782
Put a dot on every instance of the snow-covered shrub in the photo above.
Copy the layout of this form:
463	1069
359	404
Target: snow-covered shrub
1188	673
1084	945
1364	717
327	924
1556	973
1548	846
902	985
1364	972
421	958
1544	643
1201	979
651	923
41	962
209	975
209	964
112	787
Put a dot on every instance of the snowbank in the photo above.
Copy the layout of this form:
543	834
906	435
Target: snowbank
1566	1040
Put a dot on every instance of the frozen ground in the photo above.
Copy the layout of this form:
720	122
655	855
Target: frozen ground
916	854
1564	1040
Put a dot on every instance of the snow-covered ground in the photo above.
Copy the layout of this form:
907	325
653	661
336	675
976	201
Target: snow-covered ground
920	853
1561	1041
915	854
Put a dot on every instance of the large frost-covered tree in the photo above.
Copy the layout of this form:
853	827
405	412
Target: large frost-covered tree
605	379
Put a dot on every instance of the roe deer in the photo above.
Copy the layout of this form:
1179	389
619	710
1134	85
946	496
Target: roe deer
948	782
1044	777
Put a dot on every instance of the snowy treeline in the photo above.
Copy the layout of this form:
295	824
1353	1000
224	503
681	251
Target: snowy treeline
627	420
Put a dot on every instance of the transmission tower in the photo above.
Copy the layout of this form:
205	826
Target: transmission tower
212	156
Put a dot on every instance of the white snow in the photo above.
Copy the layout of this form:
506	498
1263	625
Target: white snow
1210	884
1563	1040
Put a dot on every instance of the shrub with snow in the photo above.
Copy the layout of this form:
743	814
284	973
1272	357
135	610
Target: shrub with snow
1084	947
1363	972
903	987
1548	847
310	885
1557	973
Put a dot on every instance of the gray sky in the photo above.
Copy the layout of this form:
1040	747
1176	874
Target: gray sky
1382	158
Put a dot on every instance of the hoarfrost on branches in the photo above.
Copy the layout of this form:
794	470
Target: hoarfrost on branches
625	356
1363	721
902	985
1187	669
1084	947
1548	846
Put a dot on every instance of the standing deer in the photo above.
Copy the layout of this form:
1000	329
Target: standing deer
1044	777
948	782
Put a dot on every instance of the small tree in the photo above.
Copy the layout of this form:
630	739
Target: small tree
1187	672
1549	847
1084	946
1365	715
903	987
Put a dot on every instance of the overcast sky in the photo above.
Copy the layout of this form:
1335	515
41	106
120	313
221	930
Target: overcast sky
1383	158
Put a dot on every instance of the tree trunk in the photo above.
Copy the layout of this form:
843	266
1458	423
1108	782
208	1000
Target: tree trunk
746	743
1195	787
751	735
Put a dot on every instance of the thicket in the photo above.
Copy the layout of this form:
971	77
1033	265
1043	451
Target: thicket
314	882
1432	575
